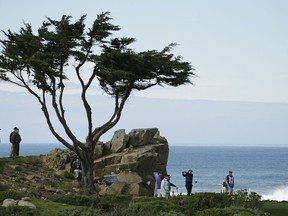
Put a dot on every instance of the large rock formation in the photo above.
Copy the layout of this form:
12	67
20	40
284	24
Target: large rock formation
144	151
132	157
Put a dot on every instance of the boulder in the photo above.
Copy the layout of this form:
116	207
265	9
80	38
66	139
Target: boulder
9	202
144	136
115	188
119	141
129	177
25	201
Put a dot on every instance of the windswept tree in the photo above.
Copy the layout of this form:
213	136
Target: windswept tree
43	61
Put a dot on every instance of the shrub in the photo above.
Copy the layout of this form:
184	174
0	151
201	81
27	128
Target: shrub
78	200
110	203
3	187
253	201
171	213
18	211
152	206
247	200
202	201
9	194
69	212
2	165
33	160
245	212
105	203
275	207
216	212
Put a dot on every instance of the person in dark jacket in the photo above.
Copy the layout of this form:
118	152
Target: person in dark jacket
188	181
15	140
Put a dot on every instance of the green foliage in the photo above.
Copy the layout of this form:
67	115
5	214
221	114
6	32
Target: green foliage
110	203
276	208
49	208
152	206
69	212
93	205
33	160
171	213
42	57
2	165
18	211
216	212
123	205
9	194
247	200
201	201
3	187
77	200
180	204
225	212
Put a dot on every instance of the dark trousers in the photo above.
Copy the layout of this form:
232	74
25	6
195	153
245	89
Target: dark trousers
17	146
14	149
189	189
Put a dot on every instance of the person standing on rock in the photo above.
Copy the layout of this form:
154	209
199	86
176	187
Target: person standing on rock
15	140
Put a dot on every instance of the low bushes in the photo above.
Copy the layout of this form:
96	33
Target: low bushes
18	211
201	201
77	200
200	204
9	194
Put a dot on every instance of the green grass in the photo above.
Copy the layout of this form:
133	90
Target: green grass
49	208
276	208
33	160
2	165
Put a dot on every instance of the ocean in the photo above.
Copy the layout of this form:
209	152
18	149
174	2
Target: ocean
259	169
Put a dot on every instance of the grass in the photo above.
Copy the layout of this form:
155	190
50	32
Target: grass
49	208
33	160
2	165
276	208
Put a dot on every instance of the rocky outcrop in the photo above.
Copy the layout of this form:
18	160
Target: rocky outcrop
132	157
144	151
119	141
25	201
59	158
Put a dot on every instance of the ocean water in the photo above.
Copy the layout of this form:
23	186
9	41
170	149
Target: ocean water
263	170
27	149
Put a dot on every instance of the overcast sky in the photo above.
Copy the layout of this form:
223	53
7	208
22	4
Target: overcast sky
238	48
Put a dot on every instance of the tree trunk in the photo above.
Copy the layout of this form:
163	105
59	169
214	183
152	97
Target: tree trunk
87	172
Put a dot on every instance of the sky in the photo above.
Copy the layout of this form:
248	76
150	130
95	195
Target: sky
239	50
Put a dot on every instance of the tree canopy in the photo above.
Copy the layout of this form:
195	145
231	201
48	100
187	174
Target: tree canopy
43	62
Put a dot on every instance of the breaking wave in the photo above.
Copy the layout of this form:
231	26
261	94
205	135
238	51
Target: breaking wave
279	194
